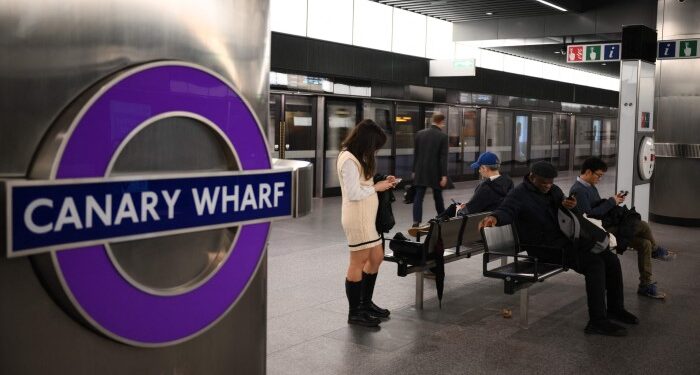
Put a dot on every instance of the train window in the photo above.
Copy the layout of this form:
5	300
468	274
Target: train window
407	125
382	114
341	117
541	137
499	136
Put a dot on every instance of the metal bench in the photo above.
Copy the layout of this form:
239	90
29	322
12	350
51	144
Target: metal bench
524	270
461	239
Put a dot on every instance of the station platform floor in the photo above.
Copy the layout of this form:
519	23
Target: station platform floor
307	310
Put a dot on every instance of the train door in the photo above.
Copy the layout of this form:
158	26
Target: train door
406	124
583	140
541	137
597	138
499	136
521	144
341	116
292	127
463	132
609	139
560	141
383	114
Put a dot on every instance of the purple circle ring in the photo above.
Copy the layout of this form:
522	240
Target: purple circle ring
96	288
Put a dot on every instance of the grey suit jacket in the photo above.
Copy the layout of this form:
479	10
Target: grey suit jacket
430	157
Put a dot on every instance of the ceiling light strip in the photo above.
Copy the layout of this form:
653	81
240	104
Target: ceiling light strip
551	5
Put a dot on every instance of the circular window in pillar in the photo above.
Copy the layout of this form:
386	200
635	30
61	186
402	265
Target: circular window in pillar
172	165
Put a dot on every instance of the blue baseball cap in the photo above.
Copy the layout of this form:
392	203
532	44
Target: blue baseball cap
487	158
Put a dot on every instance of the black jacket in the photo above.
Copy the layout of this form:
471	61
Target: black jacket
488	195
385	215
535	216
430	157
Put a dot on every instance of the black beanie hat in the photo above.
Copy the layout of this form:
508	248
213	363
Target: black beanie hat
544	169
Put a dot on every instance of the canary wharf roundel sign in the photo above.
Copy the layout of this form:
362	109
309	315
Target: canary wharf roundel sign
74	211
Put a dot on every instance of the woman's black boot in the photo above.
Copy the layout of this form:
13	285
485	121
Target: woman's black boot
356	315
368	281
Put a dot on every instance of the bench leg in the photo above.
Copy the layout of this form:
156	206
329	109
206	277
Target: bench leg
419	290
524	302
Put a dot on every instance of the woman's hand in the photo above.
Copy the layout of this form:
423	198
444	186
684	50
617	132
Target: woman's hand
383	185
393	180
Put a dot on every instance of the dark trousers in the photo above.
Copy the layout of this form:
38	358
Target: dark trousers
418	202
603	276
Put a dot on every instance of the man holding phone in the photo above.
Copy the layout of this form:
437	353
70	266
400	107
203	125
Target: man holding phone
590	203
535	207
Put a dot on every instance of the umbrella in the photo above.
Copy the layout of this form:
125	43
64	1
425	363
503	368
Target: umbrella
439	269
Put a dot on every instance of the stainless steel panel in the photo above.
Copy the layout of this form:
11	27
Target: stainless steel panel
53	50
674	188
677	150
677	171
680	19
303	179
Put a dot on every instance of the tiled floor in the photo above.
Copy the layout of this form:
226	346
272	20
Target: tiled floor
307	311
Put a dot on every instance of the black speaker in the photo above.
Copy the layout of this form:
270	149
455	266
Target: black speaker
638	43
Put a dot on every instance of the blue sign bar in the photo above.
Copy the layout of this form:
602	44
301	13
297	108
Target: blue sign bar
57	214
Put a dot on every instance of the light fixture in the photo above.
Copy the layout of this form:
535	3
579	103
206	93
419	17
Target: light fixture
603	64
489	13
551	5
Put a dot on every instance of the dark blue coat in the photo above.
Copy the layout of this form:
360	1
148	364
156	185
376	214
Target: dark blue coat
588	201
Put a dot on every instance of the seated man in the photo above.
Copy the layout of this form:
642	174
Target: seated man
590	203
534	207
488	194
491	190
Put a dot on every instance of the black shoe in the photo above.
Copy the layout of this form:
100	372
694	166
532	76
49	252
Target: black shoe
605	327
623	316
363	318
375	310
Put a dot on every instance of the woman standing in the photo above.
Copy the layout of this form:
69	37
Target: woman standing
356	167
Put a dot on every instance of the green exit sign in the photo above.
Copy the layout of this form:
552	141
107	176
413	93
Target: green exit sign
463	64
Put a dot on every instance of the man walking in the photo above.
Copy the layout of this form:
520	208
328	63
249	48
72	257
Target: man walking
430	166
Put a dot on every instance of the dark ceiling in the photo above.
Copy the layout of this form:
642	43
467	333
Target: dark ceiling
473	10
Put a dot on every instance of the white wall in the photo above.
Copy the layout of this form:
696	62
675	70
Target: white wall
365	23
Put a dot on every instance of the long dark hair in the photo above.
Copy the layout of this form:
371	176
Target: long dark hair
363	141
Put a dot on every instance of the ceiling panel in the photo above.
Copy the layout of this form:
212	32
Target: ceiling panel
472	10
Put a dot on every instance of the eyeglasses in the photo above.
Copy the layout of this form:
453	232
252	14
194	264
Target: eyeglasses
599	175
